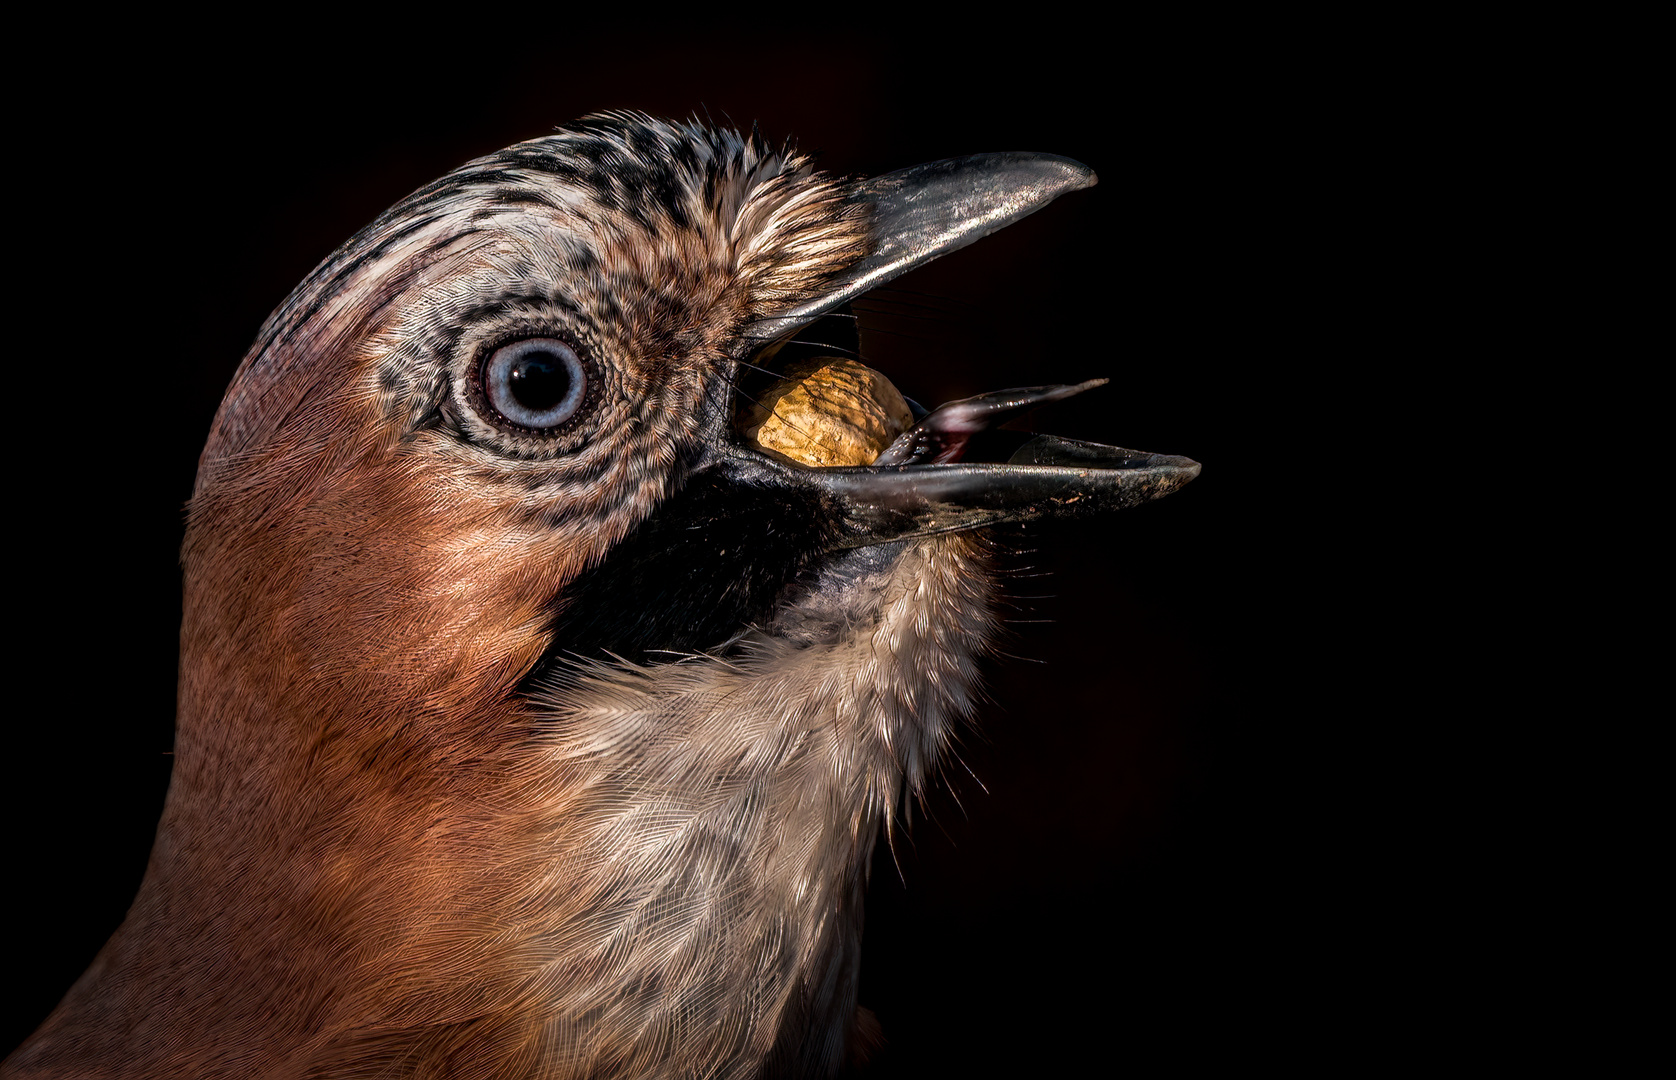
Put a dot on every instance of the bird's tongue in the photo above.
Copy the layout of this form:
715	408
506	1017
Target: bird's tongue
828	411
941	435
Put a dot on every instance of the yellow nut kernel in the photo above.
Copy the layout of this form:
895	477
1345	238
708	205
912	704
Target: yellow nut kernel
829	411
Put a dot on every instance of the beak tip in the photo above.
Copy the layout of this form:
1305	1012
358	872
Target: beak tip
1059	174
1182	471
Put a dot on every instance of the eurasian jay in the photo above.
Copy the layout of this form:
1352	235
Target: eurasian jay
538	715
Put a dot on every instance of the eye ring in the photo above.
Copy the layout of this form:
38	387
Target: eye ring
535	384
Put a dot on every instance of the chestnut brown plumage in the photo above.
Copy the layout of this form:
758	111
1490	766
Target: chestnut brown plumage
531	723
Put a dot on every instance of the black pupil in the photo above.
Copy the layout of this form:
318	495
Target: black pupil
539	380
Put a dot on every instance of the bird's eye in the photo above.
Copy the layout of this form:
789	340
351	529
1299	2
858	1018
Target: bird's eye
537	383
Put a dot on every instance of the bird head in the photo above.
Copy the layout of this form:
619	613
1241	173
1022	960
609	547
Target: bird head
535	717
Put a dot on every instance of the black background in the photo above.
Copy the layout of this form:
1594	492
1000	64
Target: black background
1121	876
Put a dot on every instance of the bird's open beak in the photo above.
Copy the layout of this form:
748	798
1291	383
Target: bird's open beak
918	486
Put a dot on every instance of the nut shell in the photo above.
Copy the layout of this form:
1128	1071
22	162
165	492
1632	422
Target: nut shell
829	411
